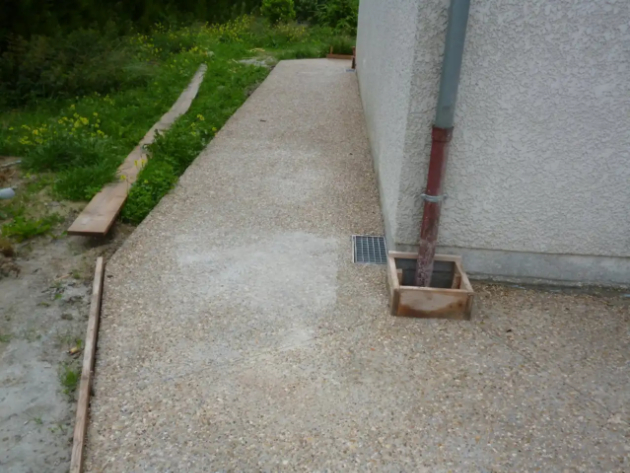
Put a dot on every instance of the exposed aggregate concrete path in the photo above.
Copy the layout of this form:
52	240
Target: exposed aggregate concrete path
237	334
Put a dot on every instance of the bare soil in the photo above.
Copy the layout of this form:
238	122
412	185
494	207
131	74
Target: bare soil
44	302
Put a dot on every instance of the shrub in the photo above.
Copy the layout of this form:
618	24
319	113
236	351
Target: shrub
278	10
82	62
343	15
306	10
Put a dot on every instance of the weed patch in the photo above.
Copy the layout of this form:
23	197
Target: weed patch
22	228
69	377
221	93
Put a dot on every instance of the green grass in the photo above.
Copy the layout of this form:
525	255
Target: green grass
69	378
21	228
342	45
71	147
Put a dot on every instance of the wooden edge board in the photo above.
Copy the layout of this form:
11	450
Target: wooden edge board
408	255
99	215
465	284
339	56
89	355
392	272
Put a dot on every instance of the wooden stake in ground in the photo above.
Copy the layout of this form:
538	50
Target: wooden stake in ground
83	406
99	215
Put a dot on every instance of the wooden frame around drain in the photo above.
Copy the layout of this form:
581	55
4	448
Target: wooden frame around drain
429	302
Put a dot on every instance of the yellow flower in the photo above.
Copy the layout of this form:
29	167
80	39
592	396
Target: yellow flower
84	120
72	107
200	117
123	177
95	114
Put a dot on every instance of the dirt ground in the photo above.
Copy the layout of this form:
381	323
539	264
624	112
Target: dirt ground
44	302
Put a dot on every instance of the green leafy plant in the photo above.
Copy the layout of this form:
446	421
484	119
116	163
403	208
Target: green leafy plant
277	11
154	183
21	228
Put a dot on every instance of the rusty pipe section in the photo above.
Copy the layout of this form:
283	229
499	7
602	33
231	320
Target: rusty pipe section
441	136
433	198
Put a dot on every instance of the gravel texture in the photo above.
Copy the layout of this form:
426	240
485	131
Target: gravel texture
237	335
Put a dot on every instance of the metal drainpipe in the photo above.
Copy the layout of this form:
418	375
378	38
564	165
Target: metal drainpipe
441	136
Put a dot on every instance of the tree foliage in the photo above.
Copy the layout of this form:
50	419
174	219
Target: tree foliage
278	11
27	18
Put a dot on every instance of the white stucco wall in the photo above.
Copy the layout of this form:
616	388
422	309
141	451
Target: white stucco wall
389	64
538	177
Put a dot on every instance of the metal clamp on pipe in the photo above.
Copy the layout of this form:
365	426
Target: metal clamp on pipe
434	199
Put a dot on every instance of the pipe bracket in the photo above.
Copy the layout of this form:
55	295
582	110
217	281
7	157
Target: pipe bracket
434	199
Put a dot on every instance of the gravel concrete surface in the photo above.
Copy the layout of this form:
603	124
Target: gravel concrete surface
237	334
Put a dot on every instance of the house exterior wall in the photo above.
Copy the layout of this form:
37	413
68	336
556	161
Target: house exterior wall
538	179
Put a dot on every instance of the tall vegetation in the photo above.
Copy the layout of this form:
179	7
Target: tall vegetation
80	85
49	17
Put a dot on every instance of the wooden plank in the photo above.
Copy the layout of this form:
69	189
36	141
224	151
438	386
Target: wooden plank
457	277
408	255
465	284
83	405
339	56
394	284
432	303
99	215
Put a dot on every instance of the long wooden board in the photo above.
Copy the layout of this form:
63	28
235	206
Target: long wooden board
89	354
100	214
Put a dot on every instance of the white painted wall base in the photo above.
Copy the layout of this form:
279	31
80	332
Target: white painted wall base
538	267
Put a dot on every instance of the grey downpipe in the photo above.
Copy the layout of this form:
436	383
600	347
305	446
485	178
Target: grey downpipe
452	63
441	136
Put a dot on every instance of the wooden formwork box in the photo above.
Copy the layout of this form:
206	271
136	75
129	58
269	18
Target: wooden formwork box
453	299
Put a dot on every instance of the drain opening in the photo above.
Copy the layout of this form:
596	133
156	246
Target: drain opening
369	249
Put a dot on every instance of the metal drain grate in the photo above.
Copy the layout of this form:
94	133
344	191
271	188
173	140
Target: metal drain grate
368	249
